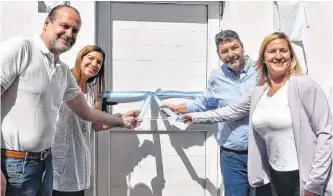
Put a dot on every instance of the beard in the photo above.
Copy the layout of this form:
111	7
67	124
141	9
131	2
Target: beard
61	48
238	66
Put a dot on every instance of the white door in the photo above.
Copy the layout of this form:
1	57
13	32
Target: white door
158	45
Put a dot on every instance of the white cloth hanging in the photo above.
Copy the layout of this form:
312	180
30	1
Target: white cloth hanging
290	18
51	4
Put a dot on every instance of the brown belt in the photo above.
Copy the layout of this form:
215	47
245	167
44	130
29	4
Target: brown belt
29	155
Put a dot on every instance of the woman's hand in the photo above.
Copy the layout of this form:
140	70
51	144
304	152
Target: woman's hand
308	193
187	118
132	113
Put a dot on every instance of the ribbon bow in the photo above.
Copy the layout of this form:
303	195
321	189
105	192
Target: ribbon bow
149	97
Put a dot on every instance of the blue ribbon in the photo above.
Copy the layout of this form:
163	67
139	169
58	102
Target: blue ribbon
149	97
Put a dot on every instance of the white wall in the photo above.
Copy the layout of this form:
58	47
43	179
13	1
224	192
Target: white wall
22	19
0	20
251	20
19	19
318	42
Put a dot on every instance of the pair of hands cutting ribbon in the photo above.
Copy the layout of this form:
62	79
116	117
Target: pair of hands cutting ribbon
148	97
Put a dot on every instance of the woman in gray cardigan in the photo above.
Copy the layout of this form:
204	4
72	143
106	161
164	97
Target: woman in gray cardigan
290	134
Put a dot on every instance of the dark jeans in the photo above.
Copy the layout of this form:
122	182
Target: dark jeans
234	173
26	177
60	193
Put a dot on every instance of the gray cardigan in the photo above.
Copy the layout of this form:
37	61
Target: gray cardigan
312	127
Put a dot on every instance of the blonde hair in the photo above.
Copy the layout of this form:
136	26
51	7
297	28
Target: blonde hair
294	67
98	81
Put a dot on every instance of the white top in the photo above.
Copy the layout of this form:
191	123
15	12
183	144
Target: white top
272	120
35	86
71	150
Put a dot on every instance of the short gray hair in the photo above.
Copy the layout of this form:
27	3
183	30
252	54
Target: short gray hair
53	12
226	36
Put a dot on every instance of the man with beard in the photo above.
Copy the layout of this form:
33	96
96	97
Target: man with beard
34	82
226	85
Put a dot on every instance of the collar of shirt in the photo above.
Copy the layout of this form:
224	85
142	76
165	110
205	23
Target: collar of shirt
42	47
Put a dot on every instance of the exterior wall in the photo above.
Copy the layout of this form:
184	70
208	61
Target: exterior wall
253	20
318	42
29	22
252	26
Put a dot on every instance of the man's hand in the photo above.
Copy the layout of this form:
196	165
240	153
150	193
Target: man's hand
187	118
172	107
3	184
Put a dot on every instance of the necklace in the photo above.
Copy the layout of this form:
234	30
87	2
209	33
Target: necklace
271	93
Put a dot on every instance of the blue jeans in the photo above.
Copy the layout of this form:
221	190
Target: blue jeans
26	177
234	173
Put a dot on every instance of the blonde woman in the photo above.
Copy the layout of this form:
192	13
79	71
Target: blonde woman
290	134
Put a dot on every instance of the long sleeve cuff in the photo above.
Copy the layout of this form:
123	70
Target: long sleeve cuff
190	107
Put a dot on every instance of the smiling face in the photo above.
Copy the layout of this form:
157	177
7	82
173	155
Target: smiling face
60	32
277	57
232	54
91	64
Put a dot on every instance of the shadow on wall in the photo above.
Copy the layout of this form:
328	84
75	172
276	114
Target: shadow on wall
179	143
128	153
141	190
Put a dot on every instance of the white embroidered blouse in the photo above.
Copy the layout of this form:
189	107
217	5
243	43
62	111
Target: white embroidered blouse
71	149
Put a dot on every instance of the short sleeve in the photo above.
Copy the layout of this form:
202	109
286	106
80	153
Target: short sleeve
15	57
72	89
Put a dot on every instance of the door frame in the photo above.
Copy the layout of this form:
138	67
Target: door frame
101	149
